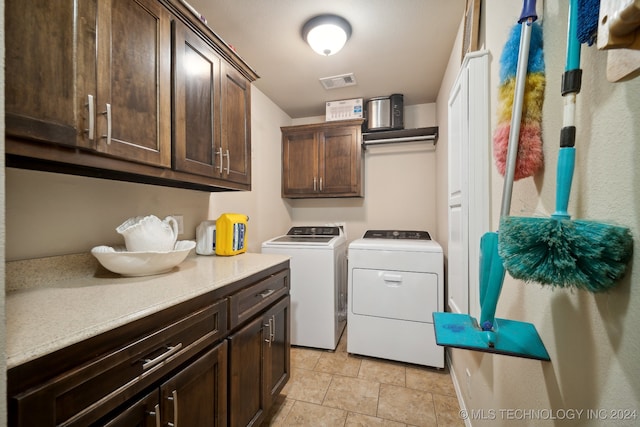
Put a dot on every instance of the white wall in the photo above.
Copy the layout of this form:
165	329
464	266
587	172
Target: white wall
593	340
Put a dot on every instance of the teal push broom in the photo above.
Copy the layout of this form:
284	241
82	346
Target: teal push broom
493	335
558	251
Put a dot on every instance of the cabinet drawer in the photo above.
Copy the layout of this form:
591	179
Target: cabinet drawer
254	299
82	395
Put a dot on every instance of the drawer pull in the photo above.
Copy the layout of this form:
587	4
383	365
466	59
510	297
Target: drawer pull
156	414
148	363
266	293
174	398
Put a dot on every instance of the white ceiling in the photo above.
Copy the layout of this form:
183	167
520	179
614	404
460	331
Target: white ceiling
397	46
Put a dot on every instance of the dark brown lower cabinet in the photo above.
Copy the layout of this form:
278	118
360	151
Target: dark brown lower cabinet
142	413
279	348
198	363
196	396
259	365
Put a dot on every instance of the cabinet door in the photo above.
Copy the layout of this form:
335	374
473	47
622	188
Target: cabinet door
340	162
143	413
278	348
45	92
236	126
196	396
133	110
246	374
299	163
196	104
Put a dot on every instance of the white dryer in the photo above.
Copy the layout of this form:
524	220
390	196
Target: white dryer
318	283
396	282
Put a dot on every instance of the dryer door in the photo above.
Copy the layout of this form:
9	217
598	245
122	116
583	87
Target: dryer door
395	294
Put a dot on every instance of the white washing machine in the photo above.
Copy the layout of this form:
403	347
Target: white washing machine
396	282
318	283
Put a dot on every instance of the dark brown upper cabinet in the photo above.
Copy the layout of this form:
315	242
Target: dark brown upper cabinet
112	96
322	160
90	92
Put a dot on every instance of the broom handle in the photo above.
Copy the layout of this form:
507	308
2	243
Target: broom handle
571	83
516	114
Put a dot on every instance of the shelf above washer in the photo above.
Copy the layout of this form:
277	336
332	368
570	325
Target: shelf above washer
427	134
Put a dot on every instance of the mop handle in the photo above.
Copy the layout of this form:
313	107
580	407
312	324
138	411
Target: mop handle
489	243
573	44
571	83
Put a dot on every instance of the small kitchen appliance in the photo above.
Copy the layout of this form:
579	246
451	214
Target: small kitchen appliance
395	282
231	234
385	113
206	238
318	283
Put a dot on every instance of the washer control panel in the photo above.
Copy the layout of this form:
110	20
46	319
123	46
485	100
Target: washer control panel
314	231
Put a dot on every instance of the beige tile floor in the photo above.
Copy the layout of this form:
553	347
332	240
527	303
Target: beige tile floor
337	389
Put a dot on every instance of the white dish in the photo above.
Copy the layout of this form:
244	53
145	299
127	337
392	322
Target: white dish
119	260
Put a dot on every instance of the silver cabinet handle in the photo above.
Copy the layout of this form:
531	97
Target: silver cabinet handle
226	154
91	104
174	398
315	186
272	333
268	324
266	293
220	155
148	363
273	330
156	415
321	184
108	114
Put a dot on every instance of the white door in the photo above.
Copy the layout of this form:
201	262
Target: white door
458	270
469	188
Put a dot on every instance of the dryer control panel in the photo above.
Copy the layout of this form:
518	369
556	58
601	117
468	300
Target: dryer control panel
397	234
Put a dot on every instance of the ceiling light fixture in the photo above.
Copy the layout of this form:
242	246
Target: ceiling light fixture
326	34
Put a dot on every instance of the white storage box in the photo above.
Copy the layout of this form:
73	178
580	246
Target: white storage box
344	110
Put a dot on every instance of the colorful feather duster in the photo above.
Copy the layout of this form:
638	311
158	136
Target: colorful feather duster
530	155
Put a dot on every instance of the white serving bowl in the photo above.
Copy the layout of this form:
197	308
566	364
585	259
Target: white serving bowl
119	260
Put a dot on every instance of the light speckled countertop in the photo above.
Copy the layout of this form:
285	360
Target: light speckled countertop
75	306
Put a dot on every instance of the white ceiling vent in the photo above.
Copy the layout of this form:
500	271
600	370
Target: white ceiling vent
336	82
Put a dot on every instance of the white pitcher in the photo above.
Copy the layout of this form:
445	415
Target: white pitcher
149	233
